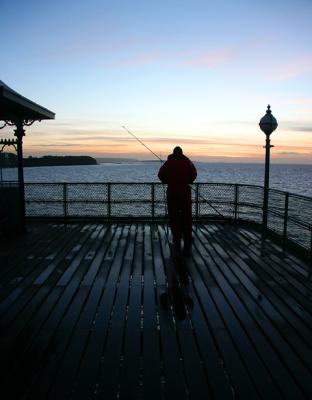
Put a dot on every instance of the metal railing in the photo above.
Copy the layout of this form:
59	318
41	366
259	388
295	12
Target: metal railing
289	215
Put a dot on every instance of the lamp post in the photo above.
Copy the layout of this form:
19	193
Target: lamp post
267	124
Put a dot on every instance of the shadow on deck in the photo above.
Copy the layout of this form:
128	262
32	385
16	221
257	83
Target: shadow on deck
81	317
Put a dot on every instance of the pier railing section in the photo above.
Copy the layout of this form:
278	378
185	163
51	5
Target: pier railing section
289	215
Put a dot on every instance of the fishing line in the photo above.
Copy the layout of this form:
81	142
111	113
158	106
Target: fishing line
161	161
143	144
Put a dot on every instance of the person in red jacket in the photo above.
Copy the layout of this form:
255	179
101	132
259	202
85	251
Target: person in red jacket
178	172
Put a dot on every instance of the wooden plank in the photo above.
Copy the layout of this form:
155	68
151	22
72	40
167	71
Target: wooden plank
22	315
283	264
286	321
191	358
87	377
64	320
29	279
36	234
64	380
78	310
276	343
130	376
46	322
107	383
174	383
262	345
219	381
277	294
23	263
277	278
151	338
298	265
229	337
24	243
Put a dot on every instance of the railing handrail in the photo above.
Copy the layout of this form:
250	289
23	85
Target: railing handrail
235	201
160	183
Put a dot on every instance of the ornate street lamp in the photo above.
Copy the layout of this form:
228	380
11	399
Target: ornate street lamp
267	124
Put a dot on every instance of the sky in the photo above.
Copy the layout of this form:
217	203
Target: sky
194	73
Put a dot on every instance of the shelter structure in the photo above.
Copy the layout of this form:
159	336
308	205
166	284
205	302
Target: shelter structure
19	112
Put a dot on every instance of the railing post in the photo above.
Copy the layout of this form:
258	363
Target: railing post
285	219
65	198
153	200
236	202
109	201
197	201
311	246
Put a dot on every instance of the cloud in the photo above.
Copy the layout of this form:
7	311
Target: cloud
302	101
86	138
294	126
91	137
303	128
291	153
141	60
301	65
186	57
195	141
55	145
211	59
86	50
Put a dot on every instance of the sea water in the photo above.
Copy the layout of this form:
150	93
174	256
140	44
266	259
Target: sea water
290	178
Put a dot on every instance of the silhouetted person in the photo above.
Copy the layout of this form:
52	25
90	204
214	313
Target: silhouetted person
178	172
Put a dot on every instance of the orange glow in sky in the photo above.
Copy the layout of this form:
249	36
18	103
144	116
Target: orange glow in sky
49	138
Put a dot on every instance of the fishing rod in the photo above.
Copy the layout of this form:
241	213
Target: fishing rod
150	150
161	161
143	144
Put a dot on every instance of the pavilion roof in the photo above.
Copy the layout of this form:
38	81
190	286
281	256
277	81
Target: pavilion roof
15	106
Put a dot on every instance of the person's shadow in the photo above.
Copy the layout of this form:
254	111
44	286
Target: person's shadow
177	294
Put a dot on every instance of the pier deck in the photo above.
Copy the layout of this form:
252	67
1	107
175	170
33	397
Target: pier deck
80	315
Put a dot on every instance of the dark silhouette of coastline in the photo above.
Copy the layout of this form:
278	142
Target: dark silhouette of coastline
9	160
115	160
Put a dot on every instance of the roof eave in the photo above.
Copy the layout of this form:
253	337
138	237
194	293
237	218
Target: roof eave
19	106
33	108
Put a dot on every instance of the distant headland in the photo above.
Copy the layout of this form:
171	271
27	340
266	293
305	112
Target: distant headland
46	161
103	160
9	160
114	160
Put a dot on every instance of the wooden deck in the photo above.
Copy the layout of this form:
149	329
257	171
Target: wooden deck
80	316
